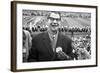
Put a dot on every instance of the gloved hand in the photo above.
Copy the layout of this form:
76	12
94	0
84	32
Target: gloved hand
61	55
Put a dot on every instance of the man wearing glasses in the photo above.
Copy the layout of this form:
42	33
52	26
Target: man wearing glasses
51	45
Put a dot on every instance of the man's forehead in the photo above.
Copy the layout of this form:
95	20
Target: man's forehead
54	15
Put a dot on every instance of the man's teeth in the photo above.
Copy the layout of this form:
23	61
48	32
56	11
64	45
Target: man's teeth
54	24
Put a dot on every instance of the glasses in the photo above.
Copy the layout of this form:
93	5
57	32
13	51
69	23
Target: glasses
52	19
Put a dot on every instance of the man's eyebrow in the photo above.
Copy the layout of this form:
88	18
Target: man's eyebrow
54	18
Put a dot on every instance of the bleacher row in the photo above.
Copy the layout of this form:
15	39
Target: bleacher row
63	29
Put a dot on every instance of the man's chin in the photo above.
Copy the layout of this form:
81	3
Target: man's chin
55	31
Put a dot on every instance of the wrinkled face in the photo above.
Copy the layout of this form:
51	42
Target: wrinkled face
54	21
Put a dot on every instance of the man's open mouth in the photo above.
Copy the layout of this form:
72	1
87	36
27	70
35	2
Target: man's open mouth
54	24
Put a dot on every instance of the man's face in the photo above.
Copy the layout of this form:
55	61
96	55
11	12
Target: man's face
54	21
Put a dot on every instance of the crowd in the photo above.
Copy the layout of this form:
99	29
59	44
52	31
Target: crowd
61	29
82	47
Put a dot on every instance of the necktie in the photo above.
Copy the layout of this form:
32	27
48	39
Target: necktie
53	43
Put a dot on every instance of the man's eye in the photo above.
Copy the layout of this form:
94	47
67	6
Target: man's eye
51	18
57	19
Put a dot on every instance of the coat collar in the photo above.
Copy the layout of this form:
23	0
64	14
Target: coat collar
47	43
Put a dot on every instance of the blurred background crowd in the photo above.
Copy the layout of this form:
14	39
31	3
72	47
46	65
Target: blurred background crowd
73	24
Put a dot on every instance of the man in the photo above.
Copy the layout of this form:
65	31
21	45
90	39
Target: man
26	44
51	45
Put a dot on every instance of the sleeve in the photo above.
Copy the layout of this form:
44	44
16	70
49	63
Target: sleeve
70	50
33	52
29	40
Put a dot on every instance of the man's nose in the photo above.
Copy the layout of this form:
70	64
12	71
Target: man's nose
55	21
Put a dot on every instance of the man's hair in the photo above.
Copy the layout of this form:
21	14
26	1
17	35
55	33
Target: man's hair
55	12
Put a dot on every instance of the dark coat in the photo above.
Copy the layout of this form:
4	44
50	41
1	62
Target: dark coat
42	51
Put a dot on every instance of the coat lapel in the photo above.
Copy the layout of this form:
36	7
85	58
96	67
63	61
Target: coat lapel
59	41
47	43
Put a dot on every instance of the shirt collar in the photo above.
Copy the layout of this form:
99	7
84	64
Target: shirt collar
52	35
